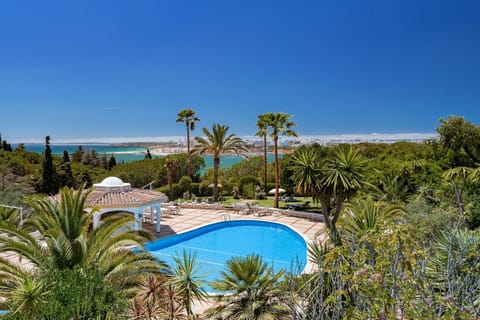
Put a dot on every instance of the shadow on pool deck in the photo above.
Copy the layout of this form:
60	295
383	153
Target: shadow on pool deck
165	230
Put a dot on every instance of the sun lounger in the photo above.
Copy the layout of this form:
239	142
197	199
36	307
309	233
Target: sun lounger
241	208
263	211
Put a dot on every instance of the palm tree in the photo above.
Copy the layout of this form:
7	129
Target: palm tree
341	178
333	181
170	162
157	298
187	280
279	124
262	132
67	244
250	291
306	171
188	117
219	142
10	215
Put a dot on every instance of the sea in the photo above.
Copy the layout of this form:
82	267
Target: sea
125	154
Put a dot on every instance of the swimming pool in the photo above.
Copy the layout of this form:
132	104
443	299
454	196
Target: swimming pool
216	243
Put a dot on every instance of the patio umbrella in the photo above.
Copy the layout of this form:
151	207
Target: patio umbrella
280	190
211	185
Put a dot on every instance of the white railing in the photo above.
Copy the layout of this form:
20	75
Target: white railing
149	185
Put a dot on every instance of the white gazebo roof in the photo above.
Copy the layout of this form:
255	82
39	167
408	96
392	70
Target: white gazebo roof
113	184
113	192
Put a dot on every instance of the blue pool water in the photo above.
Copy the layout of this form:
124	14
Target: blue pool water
216	243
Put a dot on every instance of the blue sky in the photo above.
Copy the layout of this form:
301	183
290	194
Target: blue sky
87	69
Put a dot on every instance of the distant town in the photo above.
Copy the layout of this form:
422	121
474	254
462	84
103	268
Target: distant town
172	145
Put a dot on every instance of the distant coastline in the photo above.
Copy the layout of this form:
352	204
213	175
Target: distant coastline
284	141
162	146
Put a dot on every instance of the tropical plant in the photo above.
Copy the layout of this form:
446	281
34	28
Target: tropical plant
217	143
157	298
363	217
263	132
459	177
306	171
333	181
341	178
188	117
62	241
249	289
454	269
187	280
10	215
280	124
392	190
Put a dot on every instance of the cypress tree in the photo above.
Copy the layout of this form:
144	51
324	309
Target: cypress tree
49	183
65	174
112	162
66	157
148	155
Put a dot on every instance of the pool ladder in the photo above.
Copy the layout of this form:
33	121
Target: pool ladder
226	217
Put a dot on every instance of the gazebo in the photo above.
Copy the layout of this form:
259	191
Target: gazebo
114	195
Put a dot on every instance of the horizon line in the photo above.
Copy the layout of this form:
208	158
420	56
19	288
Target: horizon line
407	136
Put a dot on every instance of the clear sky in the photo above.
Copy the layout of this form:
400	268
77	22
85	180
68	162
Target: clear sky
85	69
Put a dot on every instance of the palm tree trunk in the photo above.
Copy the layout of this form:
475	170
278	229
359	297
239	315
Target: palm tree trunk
170	179
216	165
331	225
188	148
277	171
265	163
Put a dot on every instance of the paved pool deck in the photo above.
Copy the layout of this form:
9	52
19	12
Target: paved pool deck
192	218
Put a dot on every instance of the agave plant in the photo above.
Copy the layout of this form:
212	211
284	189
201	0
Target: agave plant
454	267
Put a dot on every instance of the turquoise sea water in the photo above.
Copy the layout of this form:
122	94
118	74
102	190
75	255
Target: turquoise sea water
125	154
278	245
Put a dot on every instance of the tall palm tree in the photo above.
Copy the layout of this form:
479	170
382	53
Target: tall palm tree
188	117
263	132
250	291
187	280
217	143
170	162
280	124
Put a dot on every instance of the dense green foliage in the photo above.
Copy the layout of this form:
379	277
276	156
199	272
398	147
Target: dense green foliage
403	221
57	243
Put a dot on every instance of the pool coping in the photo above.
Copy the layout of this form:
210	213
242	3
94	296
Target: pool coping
308	266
